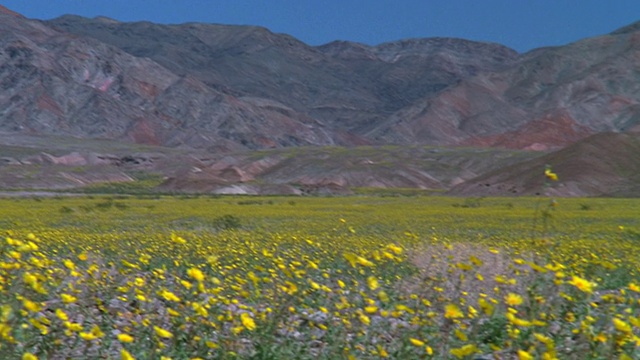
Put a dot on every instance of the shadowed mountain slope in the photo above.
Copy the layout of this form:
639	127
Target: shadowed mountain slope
605	164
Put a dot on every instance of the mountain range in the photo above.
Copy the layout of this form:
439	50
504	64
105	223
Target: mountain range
222	108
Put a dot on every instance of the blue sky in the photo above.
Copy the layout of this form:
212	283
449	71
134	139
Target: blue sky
520	24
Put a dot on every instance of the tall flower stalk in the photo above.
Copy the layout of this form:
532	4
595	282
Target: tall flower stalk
546	212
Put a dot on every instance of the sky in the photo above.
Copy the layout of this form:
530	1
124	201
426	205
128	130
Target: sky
520	24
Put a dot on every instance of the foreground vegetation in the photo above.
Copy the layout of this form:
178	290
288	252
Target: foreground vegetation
333	278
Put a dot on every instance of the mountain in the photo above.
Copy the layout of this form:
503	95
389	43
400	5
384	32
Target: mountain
191	103
350	87
58	83
547	99
415	91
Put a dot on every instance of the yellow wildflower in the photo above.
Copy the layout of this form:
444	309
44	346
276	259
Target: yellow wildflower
247	321
76	327
177	239
61	315
382	352
550	174
461	335
364	319
373	283
195	274
486	307
513	299
96	331
583	285
125	355
622	326
68	299
452	311
125	338
543	339
524	355
69	265
601	337
30	305
88	336
464	351
382	295
162	332
168	295
372	309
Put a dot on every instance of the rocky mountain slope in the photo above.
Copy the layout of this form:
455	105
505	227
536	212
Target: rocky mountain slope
345	85
57	83
203	96
549	98
419	91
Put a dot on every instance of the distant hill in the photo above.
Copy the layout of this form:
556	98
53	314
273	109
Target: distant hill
605	164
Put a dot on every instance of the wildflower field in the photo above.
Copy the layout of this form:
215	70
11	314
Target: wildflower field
368	277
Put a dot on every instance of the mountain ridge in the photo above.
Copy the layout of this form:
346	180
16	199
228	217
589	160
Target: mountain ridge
229	89
456	86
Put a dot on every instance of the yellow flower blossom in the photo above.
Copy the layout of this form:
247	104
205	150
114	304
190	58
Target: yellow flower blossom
69	264
71	326
31	306
177	239
68	299
524	355
196	274
88	336
372	309
464	351
622	326
582	284
162	332
373	283
382	352
125	355
550	174
169	296
62	315
125	338
452	311
247	321
513	299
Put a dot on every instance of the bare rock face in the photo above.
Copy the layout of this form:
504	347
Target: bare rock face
416	91
57	83
6	11
347	86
